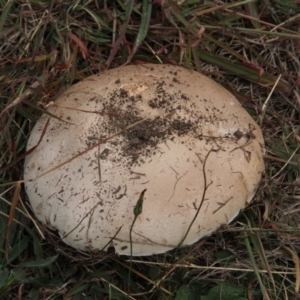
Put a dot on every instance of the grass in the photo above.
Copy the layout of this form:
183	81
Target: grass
250	47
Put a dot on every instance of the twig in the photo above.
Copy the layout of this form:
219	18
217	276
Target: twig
285	271
198	210
264	107
269	157
287	162
202	199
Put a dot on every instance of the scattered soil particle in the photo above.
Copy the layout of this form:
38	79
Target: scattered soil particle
122	109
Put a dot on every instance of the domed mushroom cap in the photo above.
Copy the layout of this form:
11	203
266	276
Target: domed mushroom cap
186	119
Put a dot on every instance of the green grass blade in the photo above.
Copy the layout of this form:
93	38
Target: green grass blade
143	30
255	268
3	226
39	262
244	71
101	24
128	10
251	10
256	241
4	14
18	249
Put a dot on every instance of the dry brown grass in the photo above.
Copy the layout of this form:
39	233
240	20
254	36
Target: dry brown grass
250	47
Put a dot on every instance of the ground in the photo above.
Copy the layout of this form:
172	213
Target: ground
250	47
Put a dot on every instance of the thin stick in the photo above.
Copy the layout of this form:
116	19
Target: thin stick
264	107
287	162
202	199
286	271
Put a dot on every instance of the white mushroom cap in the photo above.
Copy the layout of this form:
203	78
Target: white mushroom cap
187	118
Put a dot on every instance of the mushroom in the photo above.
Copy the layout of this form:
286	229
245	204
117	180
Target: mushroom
163	128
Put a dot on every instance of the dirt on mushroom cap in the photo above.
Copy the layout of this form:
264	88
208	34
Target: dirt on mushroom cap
183	115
